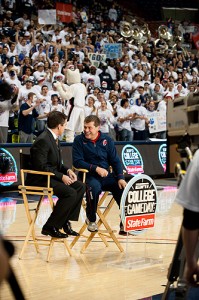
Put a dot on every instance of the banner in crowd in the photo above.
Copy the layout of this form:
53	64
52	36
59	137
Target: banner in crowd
64	12
157	121
113	51
47	16
96	58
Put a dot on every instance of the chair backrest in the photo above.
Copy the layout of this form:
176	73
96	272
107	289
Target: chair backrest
25	161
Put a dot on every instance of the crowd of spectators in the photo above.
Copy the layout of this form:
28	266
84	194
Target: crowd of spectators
124	92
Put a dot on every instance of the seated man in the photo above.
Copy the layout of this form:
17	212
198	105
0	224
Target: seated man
96	152
46	156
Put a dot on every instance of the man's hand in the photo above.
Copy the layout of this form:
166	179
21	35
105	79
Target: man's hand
122	183
67	180
101	172
72	175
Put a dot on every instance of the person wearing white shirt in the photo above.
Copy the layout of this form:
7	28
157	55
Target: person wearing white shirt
123	121
172	72
22	47
79	53
13	80
106	117
64	32
100	98
94	76
40	71
90	108
156	81
111	70
44	101
112	14
25	90
12	51
54	105
124	83
139	121
40	53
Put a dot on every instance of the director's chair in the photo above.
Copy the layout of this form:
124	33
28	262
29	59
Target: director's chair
102	213
43	192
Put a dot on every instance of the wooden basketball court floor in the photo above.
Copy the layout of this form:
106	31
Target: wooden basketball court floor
100	272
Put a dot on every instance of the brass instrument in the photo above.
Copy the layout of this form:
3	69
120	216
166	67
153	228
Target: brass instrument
165	36
164	33
126	29
134	34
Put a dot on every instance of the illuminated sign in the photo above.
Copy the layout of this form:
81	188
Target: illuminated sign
162	154
132	160
8	168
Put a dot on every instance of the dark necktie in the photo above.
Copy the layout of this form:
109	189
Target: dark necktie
57	142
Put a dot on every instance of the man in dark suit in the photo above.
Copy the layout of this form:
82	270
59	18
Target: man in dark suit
46	156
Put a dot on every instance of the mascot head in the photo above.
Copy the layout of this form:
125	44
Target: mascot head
73	76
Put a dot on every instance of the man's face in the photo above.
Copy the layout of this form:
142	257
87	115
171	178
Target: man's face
44	90
55	100
93	71
90	130
28	84
61	128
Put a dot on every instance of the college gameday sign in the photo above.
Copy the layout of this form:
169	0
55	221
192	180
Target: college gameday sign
138	204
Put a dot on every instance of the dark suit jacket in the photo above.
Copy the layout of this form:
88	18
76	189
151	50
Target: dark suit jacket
45	156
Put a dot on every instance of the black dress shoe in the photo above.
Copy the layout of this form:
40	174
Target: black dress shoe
53	232
68	229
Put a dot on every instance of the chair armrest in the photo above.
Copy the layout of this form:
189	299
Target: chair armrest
38	172
80	170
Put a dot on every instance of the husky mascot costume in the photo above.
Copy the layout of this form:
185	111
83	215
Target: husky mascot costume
75	93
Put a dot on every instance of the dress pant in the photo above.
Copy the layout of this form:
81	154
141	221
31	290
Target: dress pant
69	202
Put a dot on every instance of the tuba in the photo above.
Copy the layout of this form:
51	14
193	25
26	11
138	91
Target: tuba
126	29
145	31
136	33
164	33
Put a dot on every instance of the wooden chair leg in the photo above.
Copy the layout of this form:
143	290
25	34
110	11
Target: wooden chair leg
26	240
52	240
102	220
74	241
67	247
111	233
89	239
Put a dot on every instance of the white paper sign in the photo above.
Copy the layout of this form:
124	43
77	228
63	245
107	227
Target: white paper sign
47	16
157	121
